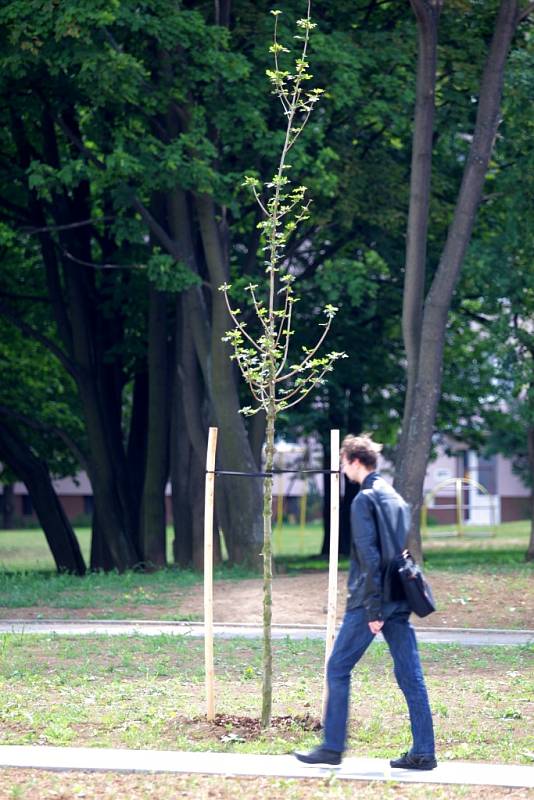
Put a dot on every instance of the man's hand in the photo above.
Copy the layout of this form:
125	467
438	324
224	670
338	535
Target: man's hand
376	626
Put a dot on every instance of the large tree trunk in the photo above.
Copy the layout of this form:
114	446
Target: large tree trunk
427	15
529	555
106	462
73	306
188	425
56	527
8	509
243	533
137	443
101	558
153	514
416	441
109	504
180	466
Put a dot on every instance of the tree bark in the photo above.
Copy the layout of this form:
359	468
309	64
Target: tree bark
188	451
190	372
73	304
56	527
529	555
427	15
8	510
244	497
256	435
267	687
101	558
104	480
419	426
137	444
153	515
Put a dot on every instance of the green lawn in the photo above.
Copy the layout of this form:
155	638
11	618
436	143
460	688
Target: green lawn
27	576
27	549
148	692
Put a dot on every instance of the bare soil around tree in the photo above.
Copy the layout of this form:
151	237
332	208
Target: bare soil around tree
465	600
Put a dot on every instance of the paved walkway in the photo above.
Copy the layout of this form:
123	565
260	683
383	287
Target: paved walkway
358	769
464	636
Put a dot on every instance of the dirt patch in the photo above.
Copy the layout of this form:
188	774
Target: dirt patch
466	600
470	600
228	728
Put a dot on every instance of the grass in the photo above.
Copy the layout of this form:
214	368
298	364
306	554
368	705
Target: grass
445	550
133	594
27	549
114	595
148	692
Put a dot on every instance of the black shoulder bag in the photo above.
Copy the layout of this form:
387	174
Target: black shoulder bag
416	587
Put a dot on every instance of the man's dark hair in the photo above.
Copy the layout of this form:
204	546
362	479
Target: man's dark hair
362	448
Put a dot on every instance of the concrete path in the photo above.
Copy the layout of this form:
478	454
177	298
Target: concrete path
359	769
464	636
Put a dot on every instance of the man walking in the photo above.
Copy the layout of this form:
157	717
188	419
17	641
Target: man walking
379	518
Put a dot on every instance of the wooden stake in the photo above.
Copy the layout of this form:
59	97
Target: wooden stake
208	573
333	557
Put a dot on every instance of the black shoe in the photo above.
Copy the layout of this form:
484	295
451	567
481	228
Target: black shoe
408	761
320	757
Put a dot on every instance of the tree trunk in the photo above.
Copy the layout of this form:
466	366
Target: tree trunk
181	450
56	527
107	501
529	555
256	435
267	689
8	510
137	444
77	323
101	558
108	476
190	415
416	441
427	15
180	465
244	498
153	515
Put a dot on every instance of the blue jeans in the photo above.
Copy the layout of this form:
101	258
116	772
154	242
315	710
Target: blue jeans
352	641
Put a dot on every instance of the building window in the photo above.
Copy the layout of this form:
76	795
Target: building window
487	473
88	504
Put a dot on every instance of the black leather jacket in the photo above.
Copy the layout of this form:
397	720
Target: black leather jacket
379	520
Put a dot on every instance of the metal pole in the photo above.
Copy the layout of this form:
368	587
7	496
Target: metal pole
459	509
208	574
333	556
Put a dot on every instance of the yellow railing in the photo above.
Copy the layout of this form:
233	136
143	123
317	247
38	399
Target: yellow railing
458	484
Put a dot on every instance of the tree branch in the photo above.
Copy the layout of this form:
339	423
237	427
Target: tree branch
27	297
101	266
51	228
71	367
40	426
71	136
522	15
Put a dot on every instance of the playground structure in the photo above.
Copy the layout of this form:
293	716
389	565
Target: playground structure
456	488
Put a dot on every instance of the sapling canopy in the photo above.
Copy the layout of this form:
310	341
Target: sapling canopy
277	379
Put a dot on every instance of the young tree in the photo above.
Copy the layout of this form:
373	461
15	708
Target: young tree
263	356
